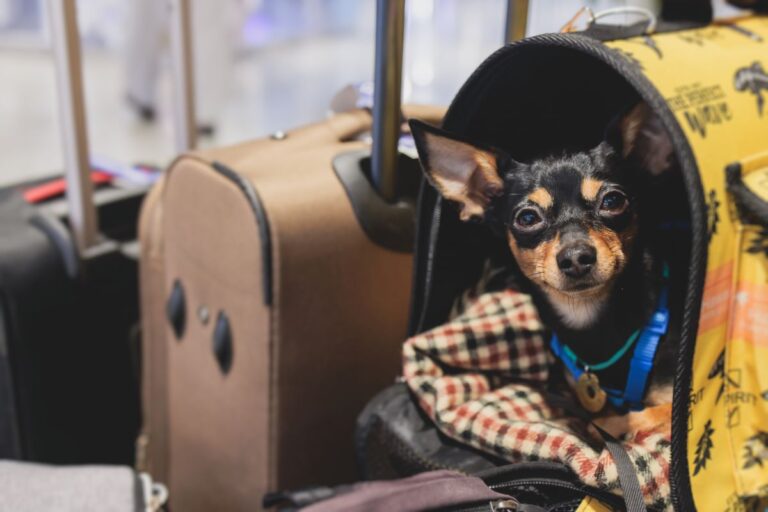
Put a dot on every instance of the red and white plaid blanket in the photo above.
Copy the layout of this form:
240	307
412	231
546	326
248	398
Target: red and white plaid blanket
478	377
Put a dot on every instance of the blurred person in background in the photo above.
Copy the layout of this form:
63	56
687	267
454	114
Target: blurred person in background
215	26
19	14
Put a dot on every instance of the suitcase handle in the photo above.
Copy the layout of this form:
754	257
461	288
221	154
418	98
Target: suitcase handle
516	20
182	63
388	71
353	123
65	40
387	86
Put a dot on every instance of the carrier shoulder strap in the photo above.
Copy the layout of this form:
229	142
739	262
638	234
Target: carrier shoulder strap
630	485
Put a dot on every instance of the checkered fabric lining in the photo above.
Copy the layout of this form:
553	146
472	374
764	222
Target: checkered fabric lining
477	377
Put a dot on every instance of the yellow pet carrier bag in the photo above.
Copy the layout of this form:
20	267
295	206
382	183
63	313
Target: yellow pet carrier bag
714	85
709	87
714	81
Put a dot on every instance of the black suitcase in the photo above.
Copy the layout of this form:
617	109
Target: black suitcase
69	301
68	392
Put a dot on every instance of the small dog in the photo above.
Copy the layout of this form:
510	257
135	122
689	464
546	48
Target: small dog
574	224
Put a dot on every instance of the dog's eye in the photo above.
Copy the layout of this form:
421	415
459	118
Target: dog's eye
528	219
613	203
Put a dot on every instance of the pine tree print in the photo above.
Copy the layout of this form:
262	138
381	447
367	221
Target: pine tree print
718	370
703	449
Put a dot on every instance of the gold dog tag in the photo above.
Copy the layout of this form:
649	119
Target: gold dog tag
589	392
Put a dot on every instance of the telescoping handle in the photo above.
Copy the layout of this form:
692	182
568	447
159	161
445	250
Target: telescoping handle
65	40
185	122
387	83
388	75
516	20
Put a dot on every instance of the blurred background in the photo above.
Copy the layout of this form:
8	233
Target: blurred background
260	66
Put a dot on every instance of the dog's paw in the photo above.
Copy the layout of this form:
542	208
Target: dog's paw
657	419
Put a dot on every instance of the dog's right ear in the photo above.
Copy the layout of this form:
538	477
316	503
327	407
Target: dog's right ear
460	171
641	136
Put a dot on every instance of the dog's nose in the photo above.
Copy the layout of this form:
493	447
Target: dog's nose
577	259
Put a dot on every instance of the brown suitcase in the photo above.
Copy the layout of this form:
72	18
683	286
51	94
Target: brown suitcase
273	308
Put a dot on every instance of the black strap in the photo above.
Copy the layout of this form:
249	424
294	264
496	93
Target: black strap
756	5
628	481
750	204
687	10
630	485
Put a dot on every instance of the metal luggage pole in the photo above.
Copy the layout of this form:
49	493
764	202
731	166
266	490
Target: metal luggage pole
65	40
185	126
517	20
390	15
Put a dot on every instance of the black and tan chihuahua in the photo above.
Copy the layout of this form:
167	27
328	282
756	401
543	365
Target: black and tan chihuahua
574	223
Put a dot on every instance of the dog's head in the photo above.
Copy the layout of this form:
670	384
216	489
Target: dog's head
571	221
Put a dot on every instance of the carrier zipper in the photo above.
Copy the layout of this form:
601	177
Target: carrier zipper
533	481
512	504
503	505
608	498
500	505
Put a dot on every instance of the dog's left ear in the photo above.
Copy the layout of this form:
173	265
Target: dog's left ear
460	171
642	137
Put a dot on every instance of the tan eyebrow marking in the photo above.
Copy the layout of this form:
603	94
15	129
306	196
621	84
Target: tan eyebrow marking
590	187
541	197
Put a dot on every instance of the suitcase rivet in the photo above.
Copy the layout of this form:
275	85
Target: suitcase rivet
279	135
222	342
203	314
176	309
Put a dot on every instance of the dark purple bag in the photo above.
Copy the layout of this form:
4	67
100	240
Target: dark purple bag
426	491
522	487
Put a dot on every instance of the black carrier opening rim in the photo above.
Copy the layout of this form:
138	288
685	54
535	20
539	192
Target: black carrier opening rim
430	213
